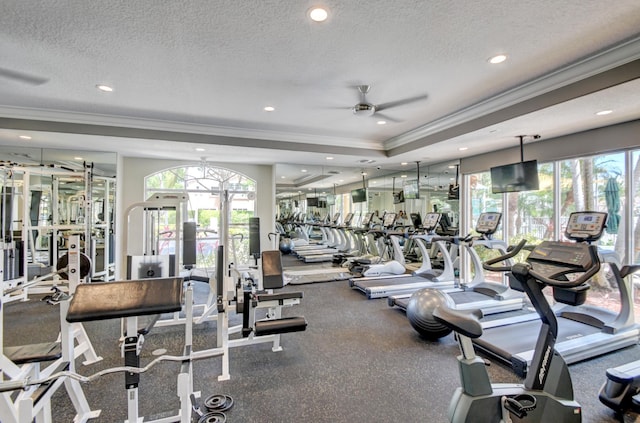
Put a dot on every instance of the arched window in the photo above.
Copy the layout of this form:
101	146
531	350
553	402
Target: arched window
204	186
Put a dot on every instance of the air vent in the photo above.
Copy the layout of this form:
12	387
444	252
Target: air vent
369	161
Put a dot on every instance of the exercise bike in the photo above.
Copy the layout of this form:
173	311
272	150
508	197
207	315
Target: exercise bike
547	392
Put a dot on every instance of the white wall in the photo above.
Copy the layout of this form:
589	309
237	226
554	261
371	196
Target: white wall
130	190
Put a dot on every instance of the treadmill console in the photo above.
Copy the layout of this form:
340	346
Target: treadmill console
348	218
586	226
389	219
488	223
367	219
335	219
431	221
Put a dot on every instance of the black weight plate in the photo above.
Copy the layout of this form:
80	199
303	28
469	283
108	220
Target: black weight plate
218	403
85	265
213	417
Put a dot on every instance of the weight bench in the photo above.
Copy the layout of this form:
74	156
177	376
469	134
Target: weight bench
130	299
271	279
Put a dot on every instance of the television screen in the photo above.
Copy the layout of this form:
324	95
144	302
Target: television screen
312	202
410	190
454	192
398	197
522	176
359	195
331	200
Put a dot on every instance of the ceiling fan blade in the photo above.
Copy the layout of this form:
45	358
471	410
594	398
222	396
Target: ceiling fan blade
385	106
22	77
382	116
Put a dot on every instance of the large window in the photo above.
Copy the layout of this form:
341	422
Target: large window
596	183
204	187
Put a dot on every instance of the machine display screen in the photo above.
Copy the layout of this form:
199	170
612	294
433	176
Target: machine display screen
488	222
586	225
389	218
431	220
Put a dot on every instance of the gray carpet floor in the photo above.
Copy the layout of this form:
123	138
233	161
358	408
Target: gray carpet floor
358	361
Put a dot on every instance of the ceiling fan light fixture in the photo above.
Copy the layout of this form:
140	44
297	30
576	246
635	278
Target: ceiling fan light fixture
364	109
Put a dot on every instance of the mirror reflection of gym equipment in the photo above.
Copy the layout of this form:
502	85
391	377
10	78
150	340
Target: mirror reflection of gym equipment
41	208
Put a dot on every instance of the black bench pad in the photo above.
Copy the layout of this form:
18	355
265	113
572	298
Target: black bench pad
111	300
276	326
34	353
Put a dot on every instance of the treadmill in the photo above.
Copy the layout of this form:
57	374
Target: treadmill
583	331
343	244
424	277
321	249
490	297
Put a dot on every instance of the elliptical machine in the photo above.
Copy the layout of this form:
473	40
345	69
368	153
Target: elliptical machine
547	392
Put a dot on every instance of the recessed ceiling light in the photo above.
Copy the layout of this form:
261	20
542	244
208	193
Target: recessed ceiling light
77	158
318	14
452	167
24	137
104	88
329	158
341	180
381	122
463	148
283	177
604	112
497	59
363	173
404	163
199	149
403	176
269	109
304	171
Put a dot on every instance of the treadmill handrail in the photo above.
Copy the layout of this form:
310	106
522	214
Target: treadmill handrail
488	265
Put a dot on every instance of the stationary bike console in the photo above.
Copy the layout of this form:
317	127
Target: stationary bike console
551	261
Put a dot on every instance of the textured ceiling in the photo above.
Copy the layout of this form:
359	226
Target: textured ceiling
200	72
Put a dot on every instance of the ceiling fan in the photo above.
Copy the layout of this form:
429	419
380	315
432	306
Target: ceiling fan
22	77
365	108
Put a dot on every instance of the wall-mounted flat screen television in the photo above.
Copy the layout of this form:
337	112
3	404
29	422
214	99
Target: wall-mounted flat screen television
331	200
410	190
359	195
515	177
312	202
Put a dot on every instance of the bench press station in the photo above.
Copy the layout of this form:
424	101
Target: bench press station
129	300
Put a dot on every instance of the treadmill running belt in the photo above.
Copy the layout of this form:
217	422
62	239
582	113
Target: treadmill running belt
521	337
